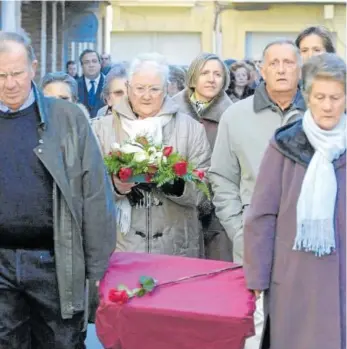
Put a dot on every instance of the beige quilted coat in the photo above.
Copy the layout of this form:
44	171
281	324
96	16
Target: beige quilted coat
169	225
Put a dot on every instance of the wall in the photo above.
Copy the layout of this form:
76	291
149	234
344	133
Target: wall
197	19
278	18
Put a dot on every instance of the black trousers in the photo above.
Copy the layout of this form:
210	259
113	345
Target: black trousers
30	315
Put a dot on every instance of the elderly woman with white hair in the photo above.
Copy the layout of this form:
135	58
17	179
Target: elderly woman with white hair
164	222
295	229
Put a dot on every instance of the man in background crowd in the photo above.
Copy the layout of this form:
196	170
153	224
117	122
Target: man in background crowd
106	63
90	84
71	69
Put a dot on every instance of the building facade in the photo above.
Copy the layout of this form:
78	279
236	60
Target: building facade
59	30
180	29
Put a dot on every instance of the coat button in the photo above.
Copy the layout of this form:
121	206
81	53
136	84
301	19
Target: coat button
39	151
41	141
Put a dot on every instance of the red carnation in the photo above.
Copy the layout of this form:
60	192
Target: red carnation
167	151
125	173
180	168
199	174
117	296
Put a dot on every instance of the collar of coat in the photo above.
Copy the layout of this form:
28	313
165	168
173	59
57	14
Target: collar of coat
262	101
124	108
212	112
41	105
293	143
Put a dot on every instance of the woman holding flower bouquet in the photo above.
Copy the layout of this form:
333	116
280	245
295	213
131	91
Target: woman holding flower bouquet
146	134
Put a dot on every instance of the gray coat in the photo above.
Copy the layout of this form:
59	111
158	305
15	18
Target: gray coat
245	130
83	209
169	225
305	296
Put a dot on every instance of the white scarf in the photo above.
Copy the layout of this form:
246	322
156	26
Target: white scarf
316	205
152	129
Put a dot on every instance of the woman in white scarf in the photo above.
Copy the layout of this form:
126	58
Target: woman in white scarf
148	221
295	231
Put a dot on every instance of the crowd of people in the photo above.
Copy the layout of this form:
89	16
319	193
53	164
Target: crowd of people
271	136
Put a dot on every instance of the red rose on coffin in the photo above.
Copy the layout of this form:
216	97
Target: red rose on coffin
125	173
180	168
167	151
119	297
199	174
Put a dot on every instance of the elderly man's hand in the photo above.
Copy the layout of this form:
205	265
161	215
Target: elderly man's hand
122	188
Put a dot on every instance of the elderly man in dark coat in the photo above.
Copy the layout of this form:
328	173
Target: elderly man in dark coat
57	217
295	230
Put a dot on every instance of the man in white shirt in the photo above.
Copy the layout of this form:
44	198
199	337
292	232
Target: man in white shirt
91	82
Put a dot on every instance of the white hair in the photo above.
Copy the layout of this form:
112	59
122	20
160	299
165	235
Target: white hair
150	60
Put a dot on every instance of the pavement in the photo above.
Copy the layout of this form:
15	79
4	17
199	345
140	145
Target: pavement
92	341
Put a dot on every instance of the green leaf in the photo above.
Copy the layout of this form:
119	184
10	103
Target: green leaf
141	292
147	283
133	292
122	287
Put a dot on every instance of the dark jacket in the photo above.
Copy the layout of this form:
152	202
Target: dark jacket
83	204
83	95
305	296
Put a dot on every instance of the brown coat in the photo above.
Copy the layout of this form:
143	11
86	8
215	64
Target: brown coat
305	296
217	244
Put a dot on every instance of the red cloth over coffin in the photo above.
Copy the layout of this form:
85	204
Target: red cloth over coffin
214	312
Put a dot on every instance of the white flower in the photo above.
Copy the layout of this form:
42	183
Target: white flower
152	150
130	149
115	146
159	155
140	156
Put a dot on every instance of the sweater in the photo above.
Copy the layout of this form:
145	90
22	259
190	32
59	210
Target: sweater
26	203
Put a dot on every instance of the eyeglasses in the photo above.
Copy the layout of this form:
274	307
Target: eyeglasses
154	91
16	75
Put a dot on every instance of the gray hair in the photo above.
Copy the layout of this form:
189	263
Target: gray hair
326	66
117	72
61	77
177	75
155	60
198	63
23	39
283	42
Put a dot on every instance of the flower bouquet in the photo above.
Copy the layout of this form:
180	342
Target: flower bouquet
141	161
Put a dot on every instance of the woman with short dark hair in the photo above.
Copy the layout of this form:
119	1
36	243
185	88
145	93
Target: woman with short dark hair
313	41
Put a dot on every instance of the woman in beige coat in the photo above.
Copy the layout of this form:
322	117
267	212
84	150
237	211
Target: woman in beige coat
152	222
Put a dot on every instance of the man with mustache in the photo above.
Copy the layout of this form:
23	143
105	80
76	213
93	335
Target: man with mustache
244	132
